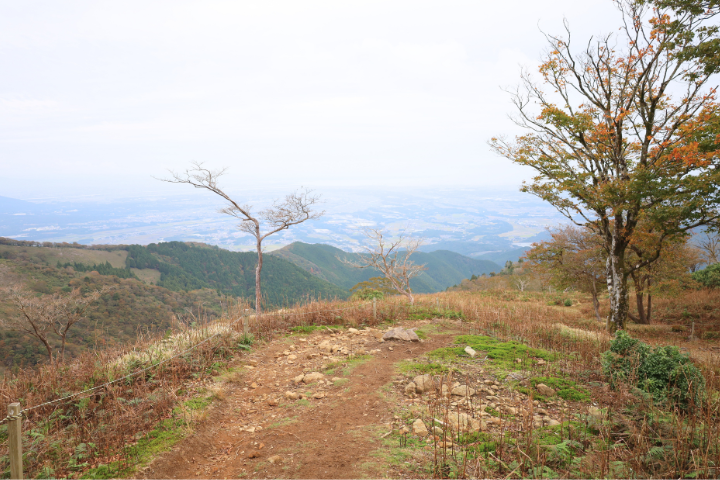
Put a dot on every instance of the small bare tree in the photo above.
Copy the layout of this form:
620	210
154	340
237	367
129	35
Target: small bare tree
710	247
294	209
392	259
69	310
47	314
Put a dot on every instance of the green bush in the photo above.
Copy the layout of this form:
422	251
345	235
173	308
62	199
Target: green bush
709	276
664	372
568	303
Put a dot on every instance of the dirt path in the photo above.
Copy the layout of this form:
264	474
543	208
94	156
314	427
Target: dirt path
324	435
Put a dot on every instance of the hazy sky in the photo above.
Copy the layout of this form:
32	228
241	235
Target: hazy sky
97	96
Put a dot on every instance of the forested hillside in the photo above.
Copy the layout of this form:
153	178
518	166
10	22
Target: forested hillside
191	277
444	268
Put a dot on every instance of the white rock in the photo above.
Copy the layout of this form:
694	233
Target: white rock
353	330
292	395
292	357
470	351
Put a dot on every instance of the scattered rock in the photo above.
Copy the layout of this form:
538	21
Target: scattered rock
423	383
462	422
470	351
541	361
545	390
253	454
517	360
410	388
401	334
335	379
272	402
292	357
551	422
463	391
253	385
312	377
319	395
274	459
292	395
353	330
419	428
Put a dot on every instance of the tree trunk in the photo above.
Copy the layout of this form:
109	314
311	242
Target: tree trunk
596	306
640	300
258	270
649	304
617	288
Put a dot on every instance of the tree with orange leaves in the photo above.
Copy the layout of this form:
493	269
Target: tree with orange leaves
626	130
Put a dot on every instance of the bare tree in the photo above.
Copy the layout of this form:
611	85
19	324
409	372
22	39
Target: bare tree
392	259
710	247
69	310
36	316
294	209
520	282
47	314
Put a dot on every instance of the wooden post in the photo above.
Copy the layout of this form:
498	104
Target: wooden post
15	439
246	326
375	309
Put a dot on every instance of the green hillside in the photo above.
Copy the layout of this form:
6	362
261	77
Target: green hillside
190	267
444	268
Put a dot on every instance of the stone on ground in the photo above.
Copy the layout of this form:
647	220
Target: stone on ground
545	390
463	391
423	383
312	377
401	334
419	428
292	395
410	388
470	351
462	422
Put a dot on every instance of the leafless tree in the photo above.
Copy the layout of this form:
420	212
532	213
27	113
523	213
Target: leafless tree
392	259
47	314
294	209
520	283
710	247
69	310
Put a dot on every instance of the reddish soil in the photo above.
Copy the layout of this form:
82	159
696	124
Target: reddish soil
316	438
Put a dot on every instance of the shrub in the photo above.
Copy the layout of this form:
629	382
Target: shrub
709	276
568	303
664	372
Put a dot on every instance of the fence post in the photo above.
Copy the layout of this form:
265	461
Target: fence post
246	326
15	439
375	309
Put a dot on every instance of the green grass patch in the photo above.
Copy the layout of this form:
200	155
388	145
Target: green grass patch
284	421
424	313
346	365
502	354
409	367
308	329
565	389
198	403
492	411
161	439
341	381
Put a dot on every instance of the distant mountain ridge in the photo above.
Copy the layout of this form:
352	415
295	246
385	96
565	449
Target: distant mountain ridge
444	268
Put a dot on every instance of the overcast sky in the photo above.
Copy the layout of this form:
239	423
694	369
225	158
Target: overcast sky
97	96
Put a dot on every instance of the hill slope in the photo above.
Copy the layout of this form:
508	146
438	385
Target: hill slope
190	267
444	268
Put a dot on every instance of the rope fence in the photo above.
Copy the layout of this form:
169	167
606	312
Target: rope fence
15	413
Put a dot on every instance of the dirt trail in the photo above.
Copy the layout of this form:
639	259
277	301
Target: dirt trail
327	437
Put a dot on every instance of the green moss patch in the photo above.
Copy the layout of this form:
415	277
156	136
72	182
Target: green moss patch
346	365
308	329
410	367
500	354
565	389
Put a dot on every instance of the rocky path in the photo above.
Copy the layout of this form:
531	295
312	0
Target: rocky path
298	409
